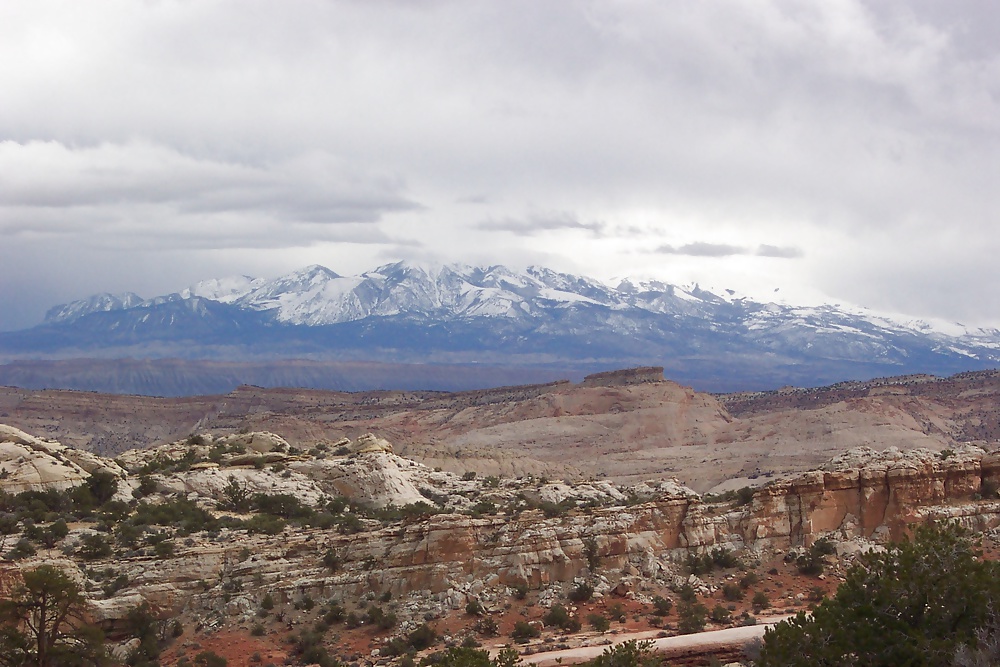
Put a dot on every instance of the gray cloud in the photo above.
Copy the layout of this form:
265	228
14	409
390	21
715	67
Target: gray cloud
700	249
785	252
261	136
308	188
536	224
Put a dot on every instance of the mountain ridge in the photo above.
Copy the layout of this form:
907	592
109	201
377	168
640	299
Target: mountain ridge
409	313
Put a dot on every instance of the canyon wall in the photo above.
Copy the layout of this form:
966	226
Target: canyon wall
453	558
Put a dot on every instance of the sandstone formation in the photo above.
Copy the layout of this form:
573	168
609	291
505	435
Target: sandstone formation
28	463
476	537
628	426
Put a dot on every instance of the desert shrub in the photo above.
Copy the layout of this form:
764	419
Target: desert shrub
732	592
749	579
164	549
599	622
592	552
383	620
724	558
94	546
334	612
582	592
8	524
691	617
523	631
474	608
180	513
265	524
332	560
816	594
687	593
552	510
558	615
720	614
469	476
143	625
309	648
627	654
423	636
739	498
284	505
112	586
760	601
744	496
823	547
102	486
236	495
349	523
699	563
662	605
395	647
520	591
487	627
210	659
484	507
147	487
461	656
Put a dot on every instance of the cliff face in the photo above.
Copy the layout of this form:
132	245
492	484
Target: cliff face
620	538
876	495
453	558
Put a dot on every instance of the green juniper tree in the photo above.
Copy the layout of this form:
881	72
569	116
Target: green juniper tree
42	624
914	604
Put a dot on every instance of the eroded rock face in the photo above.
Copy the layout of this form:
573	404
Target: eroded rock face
28	463
864	493
261	442
631	534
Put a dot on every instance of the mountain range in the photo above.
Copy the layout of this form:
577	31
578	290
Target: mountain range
494	317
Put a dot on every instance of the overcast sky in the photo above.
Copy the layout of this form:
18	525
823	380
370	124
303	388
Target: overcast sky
839	151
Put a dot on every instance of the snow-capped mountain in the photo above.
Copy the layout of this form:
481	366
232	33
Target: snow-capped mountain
317	296
418	313
98	303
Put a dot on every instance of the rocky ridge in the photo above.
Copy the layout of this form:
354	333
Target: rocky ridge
620	427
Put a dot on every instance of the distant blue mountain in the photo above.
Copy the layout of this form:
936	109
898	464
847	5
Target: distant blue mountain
453	314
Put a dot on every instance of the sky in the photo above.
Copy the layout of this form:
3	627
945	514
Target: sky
838	151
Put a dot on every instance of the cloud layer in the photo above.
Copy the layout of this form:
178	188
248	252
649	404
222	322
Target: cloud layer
842	150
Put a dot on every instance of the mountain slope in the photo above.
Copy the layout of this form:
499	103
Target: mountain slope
411	313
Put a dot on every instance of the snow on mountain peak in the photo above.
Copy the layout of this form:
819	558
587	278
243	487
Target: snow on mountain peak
224	290
103	302
315	295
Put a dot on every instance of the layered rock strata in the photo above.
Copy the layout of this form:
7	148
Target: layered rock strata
621	538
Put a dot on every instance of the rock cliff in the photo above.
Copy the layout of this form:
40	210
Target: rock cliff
469	537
